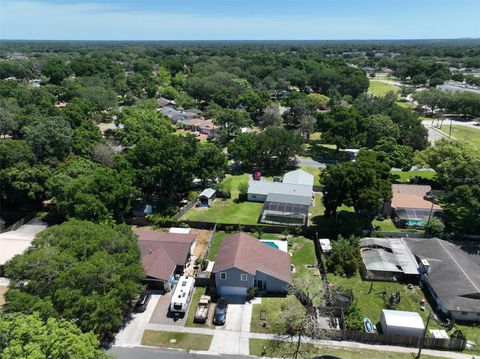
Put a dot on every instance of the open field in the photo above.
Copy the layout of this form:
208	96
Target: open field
279	349
463	133
379	88
176	340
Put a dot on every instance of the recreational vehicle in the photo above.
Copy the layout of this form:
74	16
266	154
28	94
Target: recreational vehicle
182	295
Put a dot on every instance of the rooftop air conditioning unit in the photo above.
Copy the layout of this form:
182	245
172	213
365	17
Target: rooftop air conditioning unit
424	266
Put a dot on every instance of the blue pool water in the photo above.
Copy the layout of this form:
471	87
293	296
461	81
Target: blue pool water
271	244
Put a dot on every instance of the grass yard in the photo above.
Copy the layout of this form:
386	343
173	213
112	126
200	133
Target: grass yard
303	251
317	210
379	88
217	242
315	171
372	303
463	133
2	295
184	341
386	225
405	176
228	210
275	348
272	308
199	291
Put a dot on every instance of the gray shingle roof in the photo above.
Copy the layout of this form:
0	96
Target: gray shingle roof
454	272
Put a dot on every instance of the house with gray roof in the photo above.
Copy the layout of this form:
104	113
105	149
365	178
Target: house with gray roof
450	273
285	202
244	262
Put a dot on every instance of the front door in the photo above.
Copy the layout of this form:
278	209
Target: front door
260	284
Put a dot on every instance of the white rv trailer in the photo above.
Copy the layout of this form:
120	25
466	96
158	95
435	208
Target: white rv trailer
182	295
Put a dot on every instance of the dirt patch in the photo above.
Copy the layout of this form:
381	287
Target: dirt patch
203	236
2	293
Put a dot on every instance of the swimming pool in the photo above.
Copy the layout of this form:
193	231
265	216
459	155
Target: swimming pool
271	244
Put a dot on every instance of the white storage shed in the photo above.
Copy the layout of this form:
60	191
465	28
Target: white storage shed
396	322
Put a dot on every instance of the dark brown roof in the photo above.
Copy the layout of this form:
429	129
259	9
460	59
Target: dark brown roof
162	252
248	254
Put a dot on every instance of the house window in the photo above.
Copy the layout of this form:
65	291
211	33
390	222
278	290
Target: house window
464	313
243	277
223	275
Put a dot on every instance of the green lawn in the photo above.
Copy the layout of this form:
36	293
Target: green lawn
379	88
228	210
317	211
278	349
372	303
463	133
315	171
182	340
405	176
386	225
199	291
217	242
303	251
272	308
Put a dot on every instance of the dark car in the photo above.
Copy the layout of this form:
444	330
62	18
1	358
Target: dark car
221	311
327	357
142	302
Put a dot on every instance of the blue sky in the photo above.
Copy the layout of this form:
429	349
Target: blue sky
238	19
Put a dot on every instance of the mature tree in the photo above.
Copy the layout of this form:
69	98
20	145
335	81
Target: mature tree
345	256
244	150
254	102
104	155
87	191
398	156
463	208
435	227
271	116
211	163
231	122
141	123
56	70
8	111
165	166
344	127
379	127
22	186
85	138
80	271
13	152
28	336
98	97
363	184
50	138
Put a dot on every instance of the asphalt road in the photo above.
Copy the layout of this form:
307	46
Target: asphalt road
156	353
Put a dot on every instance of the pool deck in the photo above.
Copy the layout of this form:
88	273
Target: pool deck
282	245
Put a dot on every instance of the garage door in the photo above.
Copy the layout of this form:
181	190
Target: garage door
225	290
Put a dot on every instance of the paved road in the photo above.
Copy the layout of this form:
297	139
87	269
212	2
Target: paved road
308	162
446	123
156	353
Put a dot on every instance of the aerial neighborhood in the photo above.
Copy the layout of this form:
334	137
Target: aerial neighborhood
294	200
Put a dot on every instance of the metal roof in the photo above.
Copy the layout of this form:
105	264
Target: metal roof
298	177
267	187
399	318
207	192
379	260
289	198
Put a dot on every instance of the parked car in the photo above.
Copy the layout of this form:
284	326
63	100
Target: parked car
201	315
221	311
142	302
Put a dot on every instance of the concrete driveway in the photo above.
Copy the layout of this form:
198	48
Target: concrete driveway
161	313
132	332
232	338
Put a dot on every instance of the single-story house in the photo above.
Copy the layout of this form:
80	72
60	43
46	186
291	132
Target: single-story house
164	256
410	206
17	241
177	116
201	125
450	273
397	322
207	197
286	202
387	259
243	262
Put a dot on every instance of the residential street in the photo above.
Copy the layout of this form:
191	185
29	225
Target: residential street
308	162
156	353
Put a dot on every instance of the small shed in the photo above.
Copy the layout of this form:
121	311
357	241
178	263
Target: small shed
207	197
397	322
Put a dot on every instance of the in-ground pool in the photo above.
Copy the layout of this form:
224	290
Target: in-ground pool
271	244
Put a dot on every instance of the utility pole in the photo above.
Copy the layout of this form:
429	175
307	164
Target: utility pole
421	340
450	132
